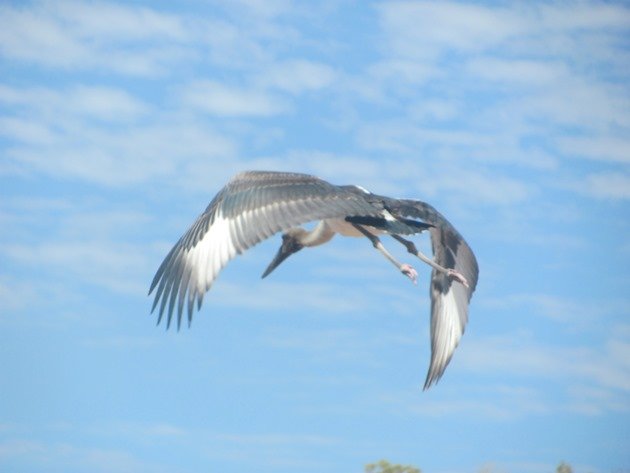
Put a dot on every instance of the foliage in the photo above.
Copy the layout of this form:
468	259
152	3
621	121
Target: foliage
383	466
564	468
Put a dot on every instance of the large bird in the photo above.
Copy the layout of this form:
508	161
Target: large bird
254	205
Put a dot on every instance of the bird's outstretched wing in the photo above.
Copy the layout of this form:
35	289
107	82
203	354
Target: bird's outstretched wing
250	208
449	299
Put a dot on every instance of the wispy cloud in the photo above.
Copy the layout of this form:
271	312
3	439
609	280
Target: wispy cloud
521	72
507	403
70	34
615	149
88	102
604	369
544	88
606	185
79	134
298	76
62	456
445	25
66	239
273	448
323	297
227	101
581	313
100	263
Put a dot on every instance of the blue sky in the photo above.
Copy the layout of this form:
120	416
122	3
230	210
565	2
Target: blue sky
120	121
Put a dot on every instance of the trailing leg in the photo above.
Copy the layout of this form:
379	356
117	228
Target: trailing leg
404	268
411	248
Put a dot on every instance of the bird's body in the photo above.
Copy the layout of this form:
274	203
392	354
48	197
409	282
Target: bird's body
254	205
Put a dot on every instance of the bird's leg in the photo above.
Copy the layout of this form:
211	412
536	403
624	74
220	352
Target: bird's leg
404	268
411	248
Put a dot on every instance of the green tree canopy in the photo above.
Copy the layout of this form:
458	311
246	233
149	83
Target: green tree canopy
383	466
564	468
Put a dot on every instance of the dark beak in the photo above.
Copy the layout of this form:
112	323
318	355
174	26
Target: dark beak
289	246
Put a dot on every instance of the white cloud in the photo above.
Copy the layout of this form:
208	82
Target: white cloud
16	295
286	296
426	29
115	266
336	168
297	76
580	314
116	22
409	177
400	136
585	381
482	186
608	185
93	453
106	103
589	105
47	238
519	356
601	147
403	70
26	130
325	345
276	439
53	107
34	37
65	456
139	431
227	101
434	110
71	34
75	134
525	85
507	403
523	72
15	448
584	16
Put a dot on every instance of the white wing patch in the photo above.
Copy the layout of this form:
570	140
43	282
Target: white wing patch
363	189
388	216
211	253
446	331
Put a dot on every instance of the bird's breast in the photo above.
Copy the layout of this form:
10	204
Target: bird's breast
344	228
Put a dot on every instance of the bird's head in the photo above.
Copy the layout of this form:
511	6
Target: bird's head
291	243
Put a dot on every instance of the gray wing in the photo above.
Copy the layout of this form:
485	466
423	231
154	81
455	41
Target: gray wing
250	208
449	299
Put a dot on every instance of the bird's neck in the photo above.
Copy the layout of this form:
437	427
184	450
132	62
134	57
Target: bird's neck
319	235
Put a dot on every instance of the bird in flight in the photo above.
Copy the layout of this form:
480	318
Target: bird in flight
255	205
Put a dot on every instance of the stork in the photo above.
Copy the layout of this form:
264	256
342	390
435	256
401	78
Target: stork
254	205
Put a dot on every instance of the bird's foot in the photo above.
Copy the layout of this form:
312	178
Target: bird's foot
457	276
410	272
